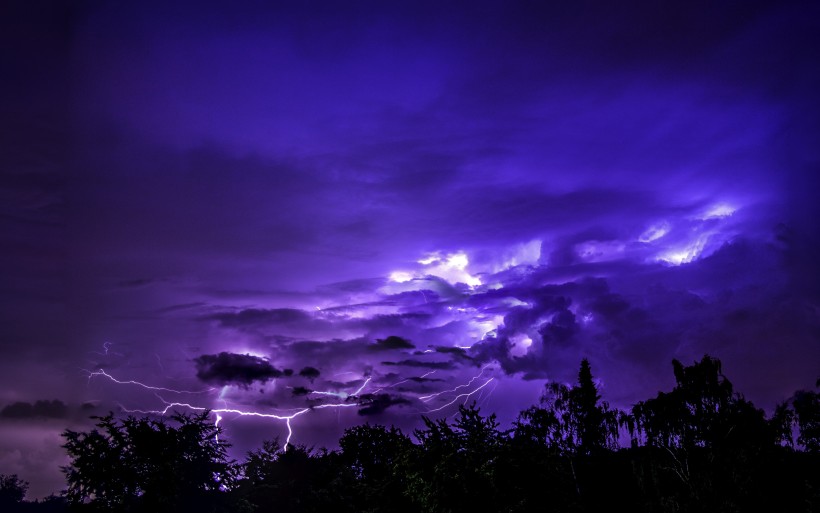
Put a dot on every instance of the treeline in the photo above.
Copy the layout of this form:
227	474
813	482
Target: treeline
699	447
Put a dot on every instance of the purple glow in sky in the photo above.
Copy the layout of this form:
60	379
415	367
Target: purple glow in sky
332	213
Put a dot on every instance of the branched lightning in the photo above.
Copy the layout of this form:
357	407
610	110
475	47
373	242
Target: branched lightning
459	396
143	385
343	395
426	398
402	381
482	397
170	405
286	417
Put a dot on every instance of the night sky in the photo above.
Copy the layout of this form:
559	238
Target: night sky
397	207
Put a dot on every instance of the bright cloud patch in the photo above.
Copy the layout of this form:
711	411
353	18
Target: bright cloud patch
718	211
450	267
654	232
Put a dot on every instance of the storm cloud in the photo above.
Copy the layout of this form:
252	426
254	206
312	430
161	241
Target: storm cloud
54	409
423	215
375	404
236	369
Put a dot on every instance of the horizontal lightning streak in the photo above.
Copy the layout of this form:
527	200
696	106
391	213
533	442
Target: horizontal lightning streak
143	385
342	395
402	381
218	411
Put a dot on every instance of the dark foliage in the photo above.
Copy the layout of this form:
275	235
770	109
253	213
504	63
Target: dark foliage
12	495
295	480
699	447
12	490
148	465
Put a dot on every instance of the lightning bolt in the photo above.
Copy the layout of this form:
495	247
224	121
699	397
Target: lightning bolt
465	396
482	398
287	418
216	424
101	372
107	350
426	398
242	413
402	381
343	395
170	405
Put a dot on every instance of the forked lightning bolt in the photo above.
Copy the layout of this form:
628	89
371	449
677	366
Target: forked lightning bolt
426	398
402	381
465	396
169	405
342	395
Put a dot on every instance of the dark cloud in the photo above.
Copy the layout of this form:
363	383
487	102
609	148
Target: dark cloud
360	285
561	328
423	364
419	379
648	317
417	315
254	317
457	351
234	369
570	155
54	409
309	372
374	404
329	352
492	348
392	342
300	391
609	305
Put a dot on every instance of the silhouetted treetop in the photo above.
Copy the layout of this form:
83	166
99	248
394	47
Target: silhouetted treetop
147	465
698	447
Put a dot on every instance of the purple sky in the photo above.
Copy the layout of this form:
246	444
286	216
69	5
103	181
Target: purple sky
504	188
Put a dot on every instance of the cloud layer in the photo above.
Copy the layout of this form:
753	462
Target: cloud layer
389	210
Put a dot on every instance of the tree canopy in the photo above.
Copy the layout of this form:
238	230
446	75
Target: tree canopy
698	447
148	464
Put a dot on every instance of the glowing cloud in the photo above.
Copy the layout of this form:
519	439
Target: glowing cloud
687	254
718	211
401	276
450	267
654	232
520	344
453	268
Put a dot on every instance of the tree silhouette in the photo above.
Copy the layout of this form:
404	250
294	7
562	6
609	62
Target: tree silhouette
710	440
575	424
148	465
295	480
807	412
701	411
454	467
699	447
12	491
374	454
574	420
